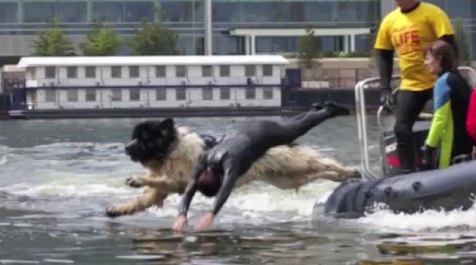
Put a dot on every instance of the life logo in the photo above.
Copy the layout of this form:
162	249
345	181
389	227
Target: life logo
406	39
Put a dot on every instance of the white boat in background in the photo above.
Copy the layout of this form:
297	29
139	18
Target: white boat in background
153	81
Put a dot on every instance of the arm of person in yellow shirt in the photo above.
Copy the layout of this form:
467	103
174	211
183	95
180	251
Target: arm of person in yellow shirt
384	52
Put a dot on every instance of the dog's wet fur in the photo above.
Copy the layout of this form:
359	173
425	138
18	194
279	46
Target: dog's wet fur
170	152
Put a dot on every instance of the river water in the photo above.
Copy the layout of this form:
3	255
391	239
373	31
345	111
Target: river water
57	177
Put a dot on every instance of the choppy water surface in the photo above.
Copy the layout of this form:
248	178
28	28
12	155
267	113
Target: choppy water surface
57	177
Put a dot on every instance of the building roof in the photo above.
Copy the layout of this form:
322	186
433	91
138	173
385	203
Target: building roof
11	68
151	60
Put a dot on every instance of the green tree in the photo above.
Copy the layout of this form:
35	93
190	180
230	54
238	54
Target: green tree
53	42
154	39
308	49
463	49
101	41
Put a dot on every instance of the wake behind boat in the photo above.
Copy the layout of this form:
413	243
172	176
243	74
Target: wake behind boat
448	189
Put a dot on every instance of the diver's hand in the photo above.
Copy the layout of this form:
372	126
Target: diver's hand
205	222
181	223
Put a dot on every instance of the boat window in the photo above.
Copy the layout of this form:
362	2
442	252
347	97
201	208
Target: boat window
72	95
160	71
267	70
250	93
133	71
224	70
116	71
90	72
72	72
207	70
224	93
268	93
180	94
250	70
116	95
90	95
50	95
180	71
207	93
134	94
50	72
161	94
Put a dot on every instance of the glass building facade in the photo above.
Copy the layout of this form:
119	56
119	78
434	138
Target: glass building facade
465	10
25	17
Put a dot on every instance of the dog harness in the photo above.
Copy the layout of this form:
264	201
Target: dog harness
210	141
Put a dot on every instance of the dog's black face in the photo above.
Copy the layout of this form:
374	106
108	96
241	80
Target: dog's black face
151	140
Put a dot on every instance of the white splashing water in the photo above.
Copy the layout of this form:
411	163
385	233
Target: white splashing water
429	220
3	160
257	203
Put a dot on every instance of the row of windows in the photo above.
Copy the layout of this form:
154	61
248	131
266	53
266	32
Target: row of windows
161	94
160	71
224	11
189	10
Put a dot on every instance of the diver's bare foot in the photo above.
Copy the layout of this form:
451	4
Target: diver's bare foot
317	106
336	109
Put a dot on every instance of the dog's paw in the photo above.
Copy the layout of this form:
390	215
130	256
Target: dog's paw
112	212
135	182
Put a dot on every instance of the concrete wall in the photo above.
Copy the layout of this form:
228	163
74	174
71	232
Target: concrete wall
338	72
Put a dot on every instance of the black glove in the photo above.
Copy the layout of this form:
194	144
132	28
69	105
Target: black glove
387	99
428	157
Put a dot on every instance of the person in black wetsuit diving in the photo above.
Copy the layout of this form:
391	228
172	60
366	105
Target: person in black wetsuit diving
220	167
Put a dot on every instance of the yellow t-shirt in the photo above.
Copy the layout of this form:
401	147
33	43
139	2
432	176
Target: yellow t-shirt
409	34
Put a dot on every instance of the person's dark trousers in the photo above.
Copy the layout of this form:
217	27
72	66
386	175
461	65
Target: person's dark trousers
409	106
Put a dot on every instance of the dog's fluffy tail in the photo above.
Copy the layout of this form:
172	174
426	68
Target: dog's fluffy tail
298	160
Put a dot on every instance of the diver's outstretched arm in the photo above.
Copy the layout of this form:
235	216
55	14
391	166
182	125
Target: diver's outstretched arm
182	222
231	175
191	189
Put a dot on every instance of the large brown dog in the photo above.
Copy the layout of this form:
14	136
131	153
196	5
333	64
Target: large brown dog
170	154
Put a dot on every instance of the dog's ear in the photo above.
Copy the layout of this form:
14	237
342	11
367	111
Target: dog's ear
138	128
168	123
167	127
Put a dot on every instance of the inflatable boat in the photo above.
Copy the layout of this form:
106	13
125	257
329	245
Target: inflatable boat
445	189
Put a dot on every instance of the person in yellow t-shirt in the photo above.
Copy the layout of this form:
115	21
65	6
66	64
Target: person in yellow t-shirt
408	31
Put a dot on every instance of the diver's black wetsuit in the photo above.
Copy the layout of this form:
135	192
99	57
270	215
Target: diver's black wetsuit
236	155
